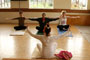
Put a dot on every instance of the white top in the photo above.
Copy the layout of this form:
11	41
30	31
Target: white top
63	21
49	44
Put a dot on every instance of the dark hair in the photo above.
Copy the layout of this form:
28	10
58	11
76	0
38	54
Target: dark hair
47	25
20	12
43	14
47	30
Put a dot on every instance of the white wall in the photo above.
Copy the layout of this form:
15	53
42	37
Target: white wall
23	4
88	5
64	4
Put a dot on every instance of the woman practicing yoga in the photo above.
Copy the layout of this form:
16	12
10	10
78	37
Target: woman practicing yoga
49	43
63	21
21	19
42	21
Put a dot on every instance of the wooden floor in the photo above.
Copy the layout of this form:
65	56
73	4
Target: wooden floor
24	47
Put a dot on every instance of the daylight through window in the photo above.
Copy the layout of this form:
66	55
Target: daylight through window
4	3
47	4
79	4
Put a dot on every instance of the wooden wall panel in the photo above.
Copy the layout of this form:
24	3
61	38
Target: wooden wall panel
44	10
83	20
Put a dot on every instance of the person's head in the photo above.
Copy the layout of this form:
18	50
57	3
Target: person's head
63	13
20	12
47	30
43	14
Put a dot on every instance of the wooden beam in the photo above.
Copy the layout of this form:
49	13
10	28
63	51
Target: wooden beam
44	10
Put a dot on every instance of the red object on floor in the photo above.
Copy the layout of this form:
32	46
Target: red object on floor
64	55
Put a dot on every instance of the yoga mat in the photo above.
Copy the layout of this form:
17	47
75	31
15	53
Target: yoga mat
61	32
39	33
18	33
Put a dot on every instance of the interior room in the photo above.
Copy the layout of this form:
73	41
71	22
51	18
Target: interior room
44	29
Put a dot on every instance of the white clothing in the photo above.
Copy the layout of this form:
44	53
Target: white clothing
63	21
49	44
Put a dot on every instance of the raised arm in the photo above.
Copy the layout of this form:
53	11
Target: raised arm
33	19
12	18
35	36
73	16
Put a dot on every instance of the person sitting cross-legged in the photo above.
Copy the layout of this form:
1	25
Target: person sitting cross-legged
42	21
49	43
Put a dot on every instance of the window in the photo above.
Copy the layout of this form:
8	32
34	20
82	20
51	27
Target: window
41	4
4	3
79	4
